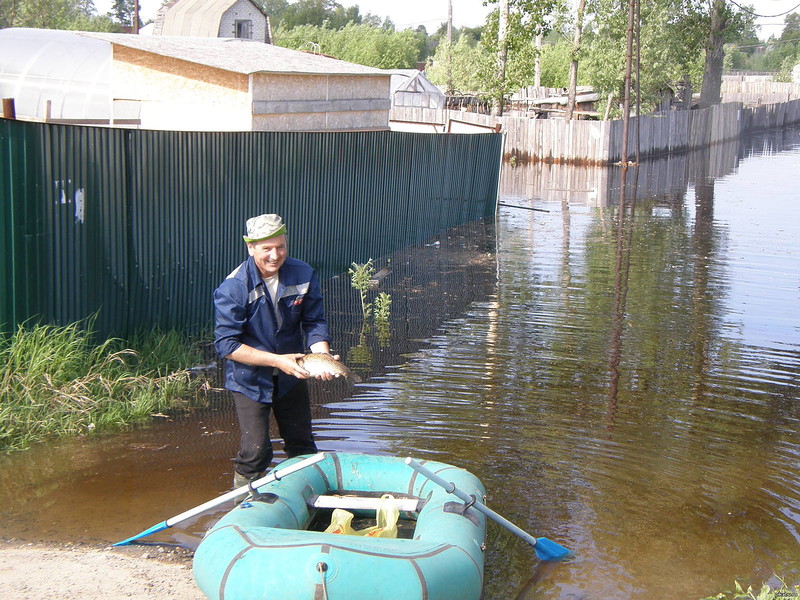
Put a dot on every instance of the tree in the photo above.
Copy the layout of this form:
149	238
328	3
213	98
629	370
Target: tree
710	93
470	67
122	12
525	19
321	13
53	14
573	66
356	43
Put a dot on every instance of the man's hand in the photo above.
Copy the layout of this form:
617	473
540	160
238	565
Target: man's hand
288	364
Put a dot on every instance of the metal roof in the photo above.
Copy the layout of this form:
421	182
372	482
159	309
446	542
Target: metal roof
195	17
237	55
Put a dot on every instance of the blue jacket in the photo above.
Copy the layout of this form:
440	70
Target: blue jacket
243	314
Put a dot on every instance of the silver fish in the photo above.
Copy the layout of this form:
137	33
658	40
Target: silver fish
320	363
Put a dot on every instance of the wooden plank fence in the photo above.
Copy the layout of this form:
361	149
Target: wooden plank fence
759	92
600	142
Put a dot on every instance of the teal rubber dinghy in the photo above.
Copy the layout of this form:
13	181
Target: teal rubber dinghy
263	548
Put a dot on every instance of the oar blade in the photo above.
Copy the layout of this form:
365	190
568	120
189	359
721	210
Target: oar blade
550	550
154	529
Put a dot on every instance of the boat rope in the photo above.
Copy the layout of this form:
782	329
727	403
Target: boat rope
322	567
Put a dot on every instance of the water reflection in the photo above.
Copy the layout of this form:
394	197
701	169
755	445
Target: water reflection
621	374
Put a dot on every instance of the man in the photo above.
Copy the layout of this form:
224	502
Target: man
263	312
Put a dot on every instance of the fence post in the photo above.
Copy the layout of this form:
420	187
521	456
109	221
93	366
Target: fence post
9	110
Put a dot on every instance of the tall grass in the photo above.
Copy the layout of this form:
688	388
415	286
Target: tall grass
58	381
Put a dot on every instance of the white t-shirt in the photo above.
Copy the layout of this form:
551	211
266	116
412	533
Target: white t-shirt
272	288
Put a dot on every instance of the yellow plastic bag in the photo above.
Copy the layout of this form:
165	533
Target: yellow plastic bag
340	522
386	519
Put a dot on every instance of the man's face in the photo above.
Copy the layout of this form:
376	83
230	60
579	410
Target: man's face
268	254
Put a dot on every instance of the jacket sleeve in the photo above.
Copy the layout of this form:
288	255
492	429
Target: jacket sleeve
230	314
315	326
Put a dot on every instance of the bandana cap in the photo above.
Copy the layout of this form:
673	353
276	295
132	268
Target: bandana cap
264	227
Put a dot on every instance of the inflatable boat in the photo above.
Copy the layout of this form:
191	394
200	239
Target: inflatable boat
274	545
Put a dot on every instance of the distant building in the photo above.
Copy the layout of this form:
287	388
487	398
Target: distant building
241	19
410	88
186	83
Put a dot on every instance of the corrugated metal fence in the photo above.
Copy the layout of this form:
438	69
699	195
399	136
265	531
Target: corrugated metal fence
143	225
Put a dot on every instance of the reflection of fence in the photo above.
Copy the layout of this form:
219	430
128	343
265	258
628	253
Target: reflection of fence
143	225
600	142
664	177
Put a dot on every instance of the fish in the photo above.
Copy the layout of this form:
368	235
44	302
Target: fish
318	363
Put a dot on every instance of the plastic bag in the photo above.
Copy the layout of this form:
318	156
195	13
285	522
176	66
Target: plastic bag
386	519
340	522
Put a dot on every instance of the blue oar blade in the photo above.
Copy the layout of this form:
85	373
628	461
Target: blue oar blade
154	529
550	550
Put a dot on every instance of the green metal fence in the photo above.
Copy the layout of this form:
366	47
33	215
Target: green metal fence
141	226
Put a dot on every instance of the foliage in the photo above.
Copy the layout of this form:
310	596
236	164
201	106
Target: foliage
464	64
383	307
122	12
672	38
361	44
555	63
361	278
765	593
56	381
53	14
526	20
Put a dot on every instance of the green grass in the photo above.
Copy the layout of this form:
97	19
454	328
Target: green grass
58	381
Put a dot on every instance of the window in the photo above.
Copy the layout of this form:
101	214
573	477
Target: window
244	29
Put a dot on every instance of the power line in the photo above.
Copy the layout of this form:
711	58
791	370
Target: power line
749	11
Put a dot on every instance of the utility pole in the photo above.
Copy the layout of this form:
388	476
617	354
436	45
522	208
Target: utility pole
449	21
626	110
449	46
135	17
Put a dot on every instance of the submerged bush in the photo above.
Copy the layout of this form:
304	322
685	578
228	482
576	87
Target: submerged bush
56	381
784	592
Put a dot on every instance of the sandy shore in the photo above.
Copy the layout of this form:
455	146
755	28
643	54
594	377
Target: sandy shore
32	571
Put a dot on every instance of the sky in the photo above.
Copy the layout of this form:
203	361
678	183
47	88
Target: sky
472	13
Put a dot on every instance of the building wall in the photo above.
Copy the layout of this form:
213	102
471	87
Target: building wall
320	102
243	10
179	95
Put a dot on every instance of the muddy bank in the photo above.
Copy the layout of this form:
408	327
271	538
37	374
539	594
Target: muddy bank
35	570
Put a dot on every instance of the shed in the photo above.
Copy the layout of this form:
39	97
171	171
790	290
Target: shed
410	88
242	19
186	83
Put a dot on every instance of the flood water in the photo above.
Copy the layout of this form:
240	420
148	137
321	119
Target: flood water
622	375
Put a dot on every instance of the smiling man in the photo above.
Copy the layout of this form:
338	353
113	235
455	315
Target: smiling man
268	311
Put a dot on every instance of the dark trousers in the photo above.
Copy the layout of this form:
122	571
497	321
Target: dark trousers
292	414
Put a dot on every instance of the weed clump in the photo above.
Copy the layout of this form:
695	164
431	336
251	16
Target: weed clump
56	381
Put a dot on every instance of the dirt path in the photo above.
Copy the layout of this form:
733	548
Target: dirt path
32	571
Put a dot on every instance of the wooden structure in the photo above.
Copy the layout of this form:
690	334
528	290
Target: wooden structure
186	83
600	142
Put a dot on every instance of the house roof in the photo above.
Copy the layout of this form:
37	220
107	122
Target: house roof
237	55
195	17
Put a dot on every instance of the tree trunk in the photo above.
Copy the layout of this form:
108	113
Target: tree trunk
710	92
537	62
573	67
502	55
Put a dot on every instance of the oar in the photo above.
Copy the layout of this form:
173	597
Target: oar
275	475
545	549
